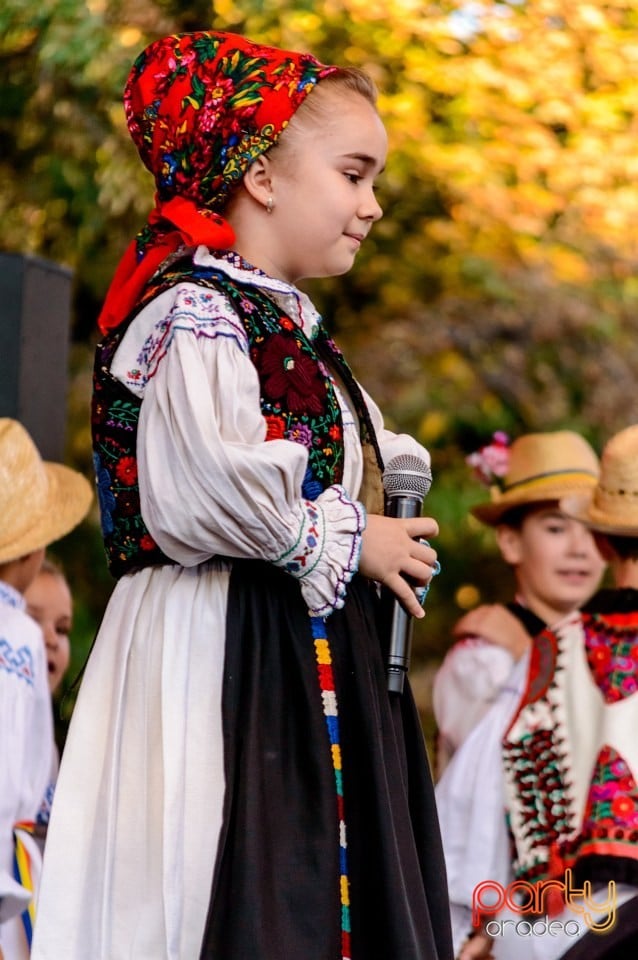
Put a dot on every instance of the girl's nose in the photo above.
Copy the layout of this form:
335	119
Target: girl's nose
371	209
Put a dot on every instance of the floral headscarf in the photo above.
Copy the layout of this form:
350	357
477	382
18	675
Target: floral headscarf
200	108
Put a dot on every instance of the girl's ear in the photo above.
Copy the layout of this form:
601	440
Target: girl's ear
509	543
258	180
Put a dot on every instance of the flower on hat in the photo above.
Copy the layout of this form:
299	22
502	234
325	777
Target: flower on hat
491	462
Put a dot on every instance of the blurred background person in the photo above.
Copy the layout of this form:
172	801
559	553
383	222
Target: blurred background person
556	567
554	561
39	503
50	603
570	755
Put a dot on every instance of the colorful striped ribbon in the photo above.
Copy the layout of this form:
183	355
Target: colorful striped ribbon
23	870
331	714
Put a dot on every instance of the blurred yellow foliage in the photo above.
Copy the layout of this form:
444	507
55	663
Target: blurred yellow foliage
433	426
467	596
498	291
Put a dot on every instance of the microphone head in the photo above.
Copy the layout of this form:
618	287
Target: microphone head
407	476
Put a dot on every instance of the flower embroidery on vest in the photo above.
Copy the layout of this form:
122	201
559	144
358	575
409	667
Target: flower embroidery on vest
298	403
613	797
611	645
289	375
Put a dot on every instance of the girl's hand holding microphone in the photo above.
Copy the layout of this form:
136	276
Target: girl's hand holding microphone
394	549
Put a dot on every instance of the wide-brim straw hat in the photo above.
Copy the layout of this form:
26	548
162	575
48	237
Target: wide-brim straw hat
40	502
612	506
542	467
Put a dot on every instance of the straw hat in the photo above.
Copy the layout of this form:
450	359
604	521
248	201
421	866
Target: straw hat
39	501
542	466
612	506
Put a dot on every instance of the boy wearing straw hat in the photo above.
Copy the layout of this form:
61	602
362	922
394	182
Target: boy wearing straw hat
569	762
40	502
554	561
580	712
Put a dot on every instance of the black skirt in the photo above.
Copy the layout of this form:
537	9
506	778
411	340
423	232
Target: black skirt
620	943
276	888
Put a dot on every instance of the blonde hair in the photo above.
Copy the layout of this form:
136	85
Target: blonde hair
352	79
314	109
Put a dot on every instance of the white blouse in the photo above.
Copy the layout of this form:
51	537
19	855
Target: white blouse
26	753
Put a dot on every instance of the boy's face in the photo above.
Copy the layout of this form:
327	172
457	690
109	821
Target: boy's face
555	560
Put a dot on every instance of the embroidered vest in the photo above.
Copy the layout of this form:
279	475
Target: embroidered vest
298	403
570	766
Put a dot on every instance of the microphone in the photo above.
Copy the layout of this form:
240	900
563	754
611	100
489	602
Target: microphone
406	482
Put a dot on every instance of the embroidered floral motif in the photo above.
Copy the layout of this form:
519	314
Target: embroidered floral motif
613	797
550	831
106	500
227	110
198	311
301	433
298	403
11	596
289	375
310	488
296	560
17	662
298	400
611	644
44	813
275	428
126	471
114	419
534	764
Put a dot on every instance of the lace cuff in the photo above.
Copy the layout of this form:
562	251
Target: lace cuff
326	552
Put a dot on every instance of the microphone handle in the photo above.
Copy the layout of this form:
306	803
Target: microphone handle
399	623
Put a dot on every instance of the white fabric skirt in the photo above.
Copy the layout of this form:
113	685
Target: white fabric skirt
138	805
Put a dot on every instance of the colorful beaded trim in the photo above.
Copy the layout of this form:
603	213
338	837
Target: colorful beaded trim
331	714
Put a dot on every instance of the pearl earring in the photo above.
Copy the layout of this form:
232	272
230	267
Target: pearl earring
270	203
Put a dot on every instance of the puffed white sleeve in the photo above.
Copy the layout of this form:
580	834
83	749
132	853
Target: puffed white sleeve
26	724
471	803
469	680
209	483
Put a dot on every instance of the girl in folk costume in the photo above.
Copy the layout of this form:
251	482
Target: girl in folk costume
237	782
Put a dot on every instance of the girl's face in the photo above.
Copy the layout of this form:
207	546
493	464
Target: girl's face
555	559
323	179
49	603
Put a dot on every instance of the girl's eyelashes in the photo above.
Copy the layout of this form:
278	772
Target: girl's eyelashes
353	176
